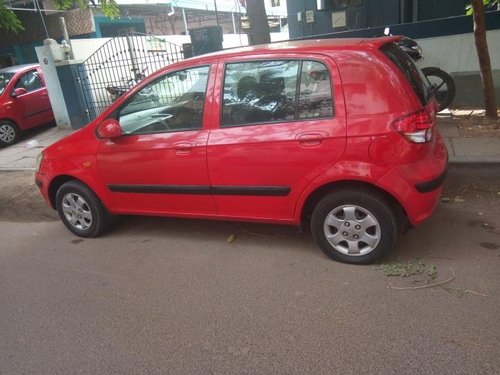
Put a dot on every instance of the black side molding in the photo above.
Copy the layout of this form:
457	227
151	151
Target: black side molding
161	189
261	191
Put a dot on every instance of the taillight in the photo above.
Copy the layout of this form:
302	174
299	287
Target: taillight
416	127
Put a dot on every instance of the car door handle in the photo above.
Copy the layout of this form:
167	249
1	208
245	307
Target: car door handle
183	148
311	139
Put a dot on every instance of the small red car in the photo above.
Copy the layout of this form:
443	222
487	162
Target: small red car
24	102
336	134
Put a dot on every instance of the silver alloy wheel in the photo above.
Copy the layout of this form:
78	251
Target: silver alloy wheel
352	230
77	211
7	133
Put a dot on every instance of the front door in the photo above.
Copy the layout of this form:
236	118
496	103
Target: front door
32	107
281	124
159	165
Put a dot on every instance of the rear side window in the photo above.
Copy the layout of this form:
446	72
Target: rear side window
275	91
414	76
315	98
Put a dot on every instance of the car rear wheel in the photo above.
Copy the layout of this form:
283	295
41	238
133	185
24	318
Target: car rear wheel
355	226
9	133
81	211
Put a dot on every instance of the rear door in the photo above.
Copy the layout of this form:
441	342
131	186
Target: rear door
279	123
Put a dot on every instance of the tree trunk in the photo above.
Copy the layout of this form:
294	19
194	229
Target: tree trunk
259	28
490	104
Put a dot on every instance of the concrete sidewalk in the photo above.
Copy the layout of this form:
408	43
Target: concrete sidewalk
462	149
467	149
21	156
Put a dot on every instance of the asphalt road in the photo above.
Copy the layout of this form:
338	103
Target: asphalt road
165	296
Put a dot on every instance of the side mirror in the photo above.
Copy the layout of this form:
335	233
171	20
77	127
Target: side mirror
109	129
19	91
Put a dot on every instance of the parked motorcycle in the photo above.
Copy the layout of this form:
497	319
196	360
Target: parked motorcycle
117	91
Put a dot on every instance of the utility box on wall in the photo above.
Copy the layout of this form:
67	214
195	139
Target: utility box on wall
206	39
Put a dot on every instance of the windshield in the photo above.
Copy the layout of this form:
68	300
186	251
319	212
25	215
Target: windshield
4	81
413	74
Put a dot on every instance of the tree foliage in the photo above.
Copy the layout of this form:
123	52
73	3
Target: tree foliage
487	3
9	20
11	23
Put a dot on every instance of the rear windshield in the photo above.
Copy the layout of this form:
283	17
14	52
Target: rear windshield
414	76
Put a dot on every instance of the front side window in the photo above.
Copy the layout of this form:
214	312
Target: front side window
29	81
173	102
275	91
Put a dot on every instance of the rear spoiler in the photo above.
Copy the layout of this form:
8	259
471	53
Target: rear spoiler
382	40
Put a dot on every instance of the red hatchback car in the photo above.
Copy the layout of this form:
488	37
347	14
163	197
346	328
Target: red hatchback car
338	134
24	102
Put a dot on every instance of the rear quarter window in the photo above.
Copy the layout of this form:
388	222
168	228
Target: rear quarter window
413	75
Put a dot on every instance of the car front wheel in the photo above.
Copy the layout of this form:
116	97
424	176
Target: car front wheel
355	226
80	210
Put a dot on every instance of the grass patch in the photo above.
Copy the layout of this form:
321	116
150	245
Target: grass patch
414	267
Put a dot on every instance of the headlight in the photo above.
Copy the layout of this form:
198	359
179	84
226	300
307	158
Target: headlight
38	161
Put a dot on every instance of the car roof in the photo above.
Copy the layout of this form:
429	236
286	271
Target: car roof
291	46
18	68
303	46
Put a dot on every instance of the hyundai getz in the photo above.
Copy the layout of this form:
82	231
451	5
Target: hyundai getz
337	134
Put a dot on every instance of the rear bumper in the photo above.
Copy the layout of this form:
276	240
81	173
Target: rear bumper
428	186
417	186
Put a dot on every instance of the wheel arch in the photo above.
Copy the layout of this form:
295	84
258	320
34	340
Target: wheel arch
56	183
316	195
60	180
14	122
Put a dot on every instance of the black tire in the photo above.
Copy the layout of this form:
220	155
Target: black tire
81	211
352	213
444	83
9	133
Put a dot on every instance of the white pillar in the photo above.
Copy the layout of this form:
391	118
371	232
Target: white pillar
234	24
185	21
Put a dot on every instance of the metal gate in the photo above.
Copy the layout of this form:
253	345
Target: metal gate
122	62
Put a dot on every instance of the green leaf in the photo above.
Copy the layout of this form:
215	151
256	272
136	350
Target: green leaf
487	3
8	20
108	7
